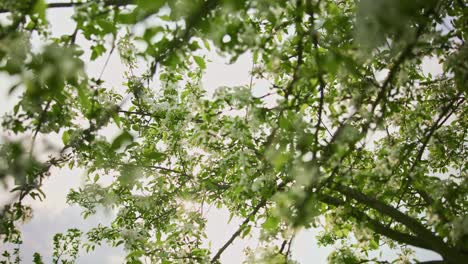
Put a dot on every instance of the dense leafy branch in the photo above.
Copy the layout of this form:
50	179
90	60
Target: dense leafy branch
75	4
351	126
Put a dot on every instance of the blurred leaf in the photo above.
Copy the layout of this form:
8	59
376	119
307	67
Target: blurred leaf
121	139
200	61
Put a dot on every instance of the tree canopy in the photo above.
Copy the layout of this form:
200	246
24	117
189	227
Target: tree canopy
352	136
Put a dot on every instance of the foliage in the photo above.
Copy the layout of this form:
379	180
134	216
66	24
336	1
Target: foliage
66	246
353	135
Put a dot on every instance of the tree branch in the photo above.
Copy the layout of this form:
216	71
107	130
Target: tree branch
314	37
39	125
238	231
447	111
433	241
257	208
375	225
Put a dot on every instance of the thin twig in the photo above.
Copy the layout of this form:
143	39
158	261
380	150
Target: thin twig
39	125
238	231
108	59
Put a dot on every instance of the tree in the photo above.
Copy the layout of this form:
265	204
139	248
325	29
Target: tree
356	137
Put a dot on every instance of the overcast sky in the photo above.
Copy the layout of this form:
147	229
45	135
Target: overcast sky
54	215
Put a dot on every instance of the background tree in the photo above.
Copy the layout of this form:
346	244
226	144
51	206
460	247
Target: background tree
373	160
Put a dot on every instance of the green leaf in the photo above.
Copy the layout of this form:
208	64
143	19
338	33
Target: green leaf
207	44
40	8
97	51
271	223
16	108
150	6
246	231
200	61
155	156
374	245
122	139
66	137
135	254
107	26
116	118
37	258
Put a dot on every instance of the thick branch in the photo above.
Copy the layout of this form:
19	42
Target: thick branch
435	242
381	207
375	225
